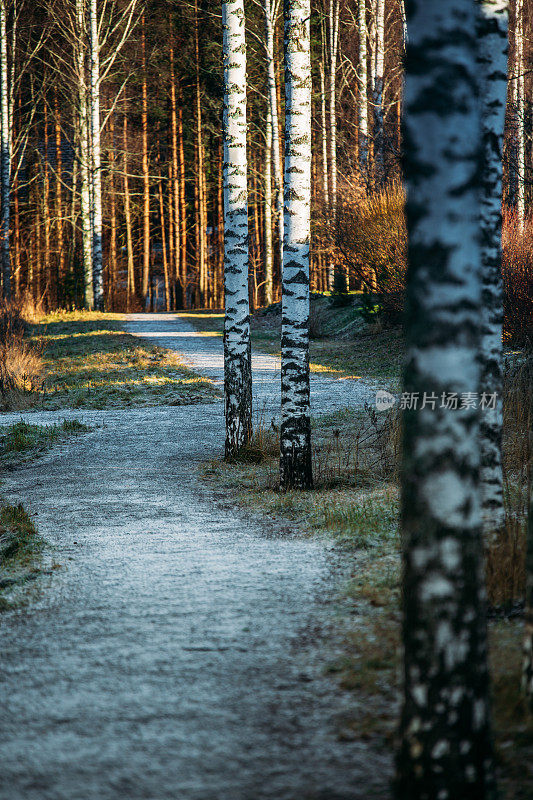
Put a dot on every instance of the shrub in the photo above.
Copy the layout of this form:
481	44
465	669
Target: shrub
371	236
20	363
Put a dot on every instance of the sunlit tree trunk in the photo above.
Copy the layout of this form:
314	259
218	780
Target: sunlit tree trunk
445	731
333	40
127	213
182	208
201	253
237	350
377	89
60	266
295	432
179	282
271	10
46	212
267	179
5	156
325	172
145	171
96	158
492	37
113	265
363	82
520	114
84	152
163	224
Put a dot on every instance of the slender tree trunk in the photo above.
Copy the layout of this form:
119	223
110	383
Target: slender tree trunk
445	727
46	212
527	674
145	172
84	151
162	225
127	214
492	37
520	115
295	432
182	208
377	91
269	252
363	82
96	167
16	238
173	277
113	278
237	348
175	177
272	99
60	261
200	177
333	38
5	157
325	171
220	225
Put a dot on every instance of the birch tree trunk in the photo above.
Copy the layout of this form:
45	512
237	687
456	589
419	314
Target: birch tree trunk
446	749
363	89
295	432
96	159
492	37
237	349
270	27
377	90
333	38
5	157
520	115
84	151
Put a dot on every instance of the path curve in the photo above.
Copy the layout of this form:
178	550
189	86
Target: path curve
175	655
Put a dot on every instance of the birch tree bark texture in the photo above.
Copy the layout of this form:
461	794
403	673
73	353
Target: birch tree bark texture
295	431
5	157
445	748
84	151
237	349
492	61
96	158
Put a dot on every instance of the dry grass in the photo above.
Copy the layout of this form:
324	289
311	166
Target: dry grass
91	362
21	366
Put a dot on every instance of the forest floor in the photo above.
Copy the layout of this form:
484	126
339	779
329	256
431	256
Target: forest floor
201	635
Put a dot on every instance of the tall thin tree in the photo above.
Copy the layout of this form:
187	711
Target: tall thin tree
295	432
237	348
492	38
5	156
96	159
445	727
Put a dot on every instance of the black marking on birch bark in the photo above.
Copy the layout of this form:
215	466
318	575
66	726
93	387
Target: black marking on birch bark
445	751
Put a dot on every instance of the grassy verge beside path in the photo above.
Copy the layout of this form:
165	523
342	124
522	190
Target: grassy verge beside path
91	362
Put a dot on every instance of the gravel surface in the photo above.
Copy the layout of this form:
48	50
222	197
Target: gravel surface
178	653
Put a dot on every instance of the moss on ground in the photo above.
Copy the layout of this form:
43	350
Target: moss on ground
23	440
90	362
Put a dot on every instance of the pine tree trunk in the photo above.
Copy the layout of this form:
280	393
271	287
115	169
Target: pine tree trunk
60	261
84	153
363	82
269	252
492	37
46	213
182	208
445	730
175	180
127	214
237	348
162	225
295	432
96	167
5	157
145	173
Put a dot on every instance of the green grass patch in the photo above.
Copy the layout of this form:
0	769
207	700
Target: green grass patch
90	362
24	440
21	549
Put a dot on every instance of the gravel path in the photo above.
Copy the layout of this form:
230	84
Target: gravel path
176	654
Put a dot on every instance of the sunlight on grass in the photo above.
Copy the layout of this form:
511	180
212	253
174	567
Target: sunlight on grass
91	362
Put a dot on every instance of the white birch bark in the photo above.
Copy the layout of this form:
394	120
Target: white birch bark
325	171
237	351
295	432
5	157
363	89
84	152
492	59
445	729
271	11
96	167
520	115
333	39
377	88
